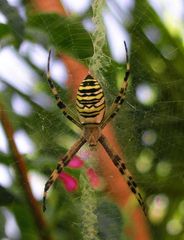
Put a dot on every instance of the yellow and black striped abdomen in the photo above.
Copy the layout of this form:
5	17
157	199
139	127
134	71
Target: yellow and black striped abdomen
90	101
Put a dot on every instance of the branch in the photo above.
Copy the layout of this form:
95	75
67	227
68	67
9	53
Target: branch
23	179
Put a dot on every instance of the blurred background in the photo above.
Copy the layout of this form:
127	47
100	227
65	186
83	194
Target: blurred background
149	128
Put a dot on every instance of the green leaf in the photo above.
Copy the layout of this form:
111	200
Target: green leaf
6	197
4	30
6	159
66	34
15	22
2	228
25	222
110	221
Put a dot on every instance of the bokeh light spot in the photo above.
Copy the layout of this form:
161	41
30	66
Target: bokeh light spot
163	168
146	94
158	208
174	227
149	137
145	160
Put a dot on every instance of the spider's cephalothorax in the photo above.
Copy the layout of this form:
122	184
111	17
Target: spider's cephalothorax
92	118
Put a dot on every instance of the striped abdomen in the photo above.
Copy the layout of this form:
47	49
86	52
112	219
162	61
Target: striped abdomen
90	101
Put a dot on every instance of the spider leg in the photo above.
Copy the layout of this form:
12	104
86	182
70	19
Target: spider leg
60	103
60	165
121	96
118	162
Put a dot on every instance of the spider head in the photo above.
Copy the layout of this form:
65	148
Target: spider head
93	148
92	133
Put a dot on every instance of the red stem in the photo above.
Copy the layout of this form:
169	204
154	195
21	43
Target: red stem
23	179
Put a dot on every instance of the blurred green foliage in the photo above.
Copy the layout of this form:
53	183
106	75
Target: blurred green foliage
156	61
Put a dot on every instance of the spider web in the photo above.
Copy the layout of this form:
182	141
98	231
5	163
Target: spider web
149	126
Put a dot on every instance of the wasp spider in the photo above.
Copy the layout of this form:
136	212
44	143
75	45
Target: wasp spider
92	118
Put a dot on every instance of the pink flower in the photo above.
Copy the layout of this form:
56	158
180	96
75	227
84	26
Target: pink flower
71	183
93	178
76	162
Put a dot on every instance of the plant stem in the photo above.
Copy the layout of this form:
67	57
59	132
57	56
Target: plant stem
22	176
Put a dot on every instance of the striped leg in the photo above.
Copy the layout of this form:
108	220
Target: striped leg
61	164
60	103
121	96
123	170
